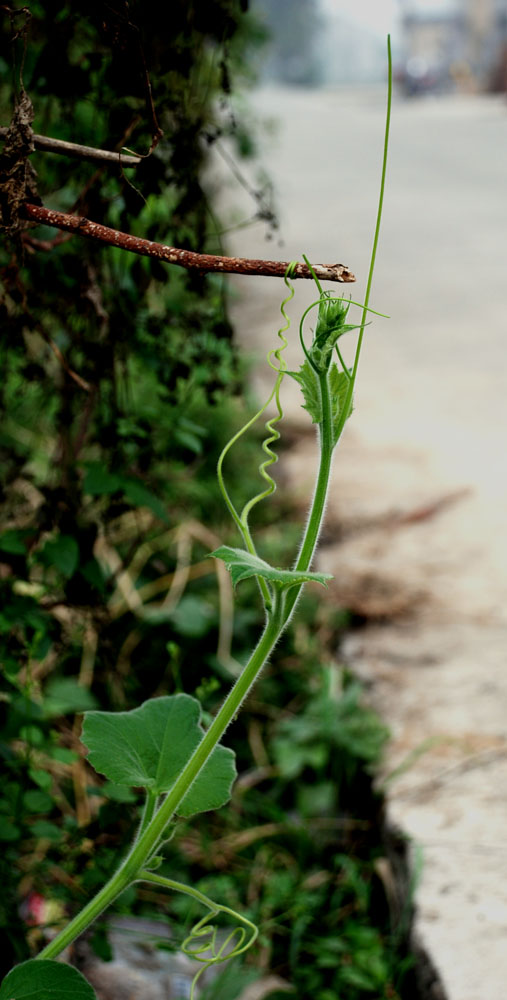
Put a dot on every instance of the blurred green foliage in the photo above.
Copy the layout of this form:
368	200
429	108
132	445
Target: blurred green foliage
119	385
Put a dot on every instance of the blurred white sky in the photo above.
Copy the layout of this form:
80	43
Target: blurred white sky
381	16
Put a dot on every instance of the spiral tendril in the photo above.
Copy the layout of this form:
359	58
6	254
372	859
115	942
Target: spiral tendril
194	946
280	367
245	933
273	433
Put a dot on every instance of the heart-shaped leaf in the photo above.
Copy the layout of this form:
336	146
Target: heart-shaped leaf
149	747
243	565
43	979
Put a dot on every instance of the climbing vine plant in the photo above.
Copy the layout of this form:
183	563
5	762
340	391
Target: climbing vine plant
162	746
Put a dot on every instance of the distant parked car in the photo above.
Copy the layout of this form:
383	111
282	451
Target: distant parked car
418	76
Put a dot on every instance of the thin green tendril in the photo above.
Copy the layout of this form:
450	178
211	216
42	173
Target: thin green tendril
194	947
203	936
273	433
342	362
241	520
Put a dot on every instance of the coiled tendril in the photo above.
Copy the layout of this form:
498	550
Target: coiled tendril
280	367
203	937
194	947
273	433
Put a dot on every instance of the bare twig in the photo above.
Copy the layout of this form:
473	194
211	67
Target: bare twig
156	131
66	367
33	244
76	150
183	258
122	30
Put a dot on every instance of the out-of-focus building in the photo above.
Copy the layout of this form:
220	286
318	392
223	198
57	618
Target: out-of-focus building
453	44
438	45
291	54
324	42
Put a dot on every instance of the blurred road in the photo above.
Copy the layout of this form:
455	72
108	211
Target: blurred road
430	421
441	273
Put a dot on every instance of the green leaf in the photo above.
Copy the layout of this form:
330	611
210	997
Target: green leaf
62	552
63	755
140	496
189	435
233	981
331	319
42	979
338	386
64	695
330	326
44	830
41	778
149	747
94	574
8	831
117	793
193	617
14	541
188	440
243	565
308	380
352	976
98	481
37	801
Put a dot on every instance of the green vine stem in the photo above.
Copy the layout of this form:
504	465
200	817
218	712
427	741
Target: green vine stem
155	821
149	839
150	806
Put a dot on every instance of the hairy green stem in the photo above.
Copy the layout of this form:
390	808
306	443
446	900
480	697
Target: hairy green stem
188	890
150	805
109	892
316	516
149	838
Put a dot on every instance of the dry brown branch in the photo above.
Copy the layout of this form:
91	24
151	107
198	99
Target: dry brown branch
79	152
66	367
32	244
182	258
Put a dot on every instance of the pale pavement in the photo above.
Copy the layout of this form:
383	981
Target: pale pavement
416	532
